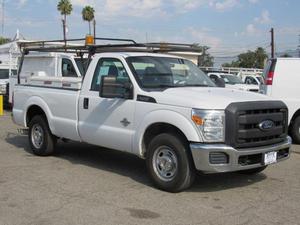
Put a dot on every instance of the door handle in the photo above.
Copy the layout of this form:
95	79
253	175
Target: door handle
85	103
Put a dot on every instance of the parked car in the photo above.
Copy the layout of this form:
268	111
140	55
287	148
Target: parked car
282	81
161	108
254	80
233	82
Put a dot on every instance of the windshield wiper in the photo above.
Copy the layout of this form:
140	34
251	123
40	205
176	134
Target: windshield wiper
160	86
195	85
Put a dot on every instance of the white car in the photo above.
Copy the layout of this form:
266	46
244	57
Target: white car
161	108
253	79
233	82
4	81
282	81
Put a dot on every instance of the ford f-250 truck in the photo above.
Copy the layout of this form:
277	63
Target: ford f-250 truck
161	108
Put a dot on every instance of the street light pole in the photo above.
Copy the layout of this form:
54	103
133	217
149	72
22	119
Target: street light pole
272	44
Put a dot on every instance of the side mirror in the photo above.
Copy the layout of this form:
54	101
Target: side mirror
111	88
220	82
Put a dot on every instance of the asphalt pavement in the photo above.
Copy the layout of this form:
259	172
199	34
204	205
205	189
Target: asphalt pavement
83	184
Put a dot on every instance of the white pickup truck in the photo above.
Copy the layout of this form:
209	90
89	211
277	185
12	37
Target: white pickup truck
161	108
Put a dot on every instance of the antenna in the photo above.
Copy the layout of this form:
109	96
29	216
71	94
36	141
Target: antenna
299	47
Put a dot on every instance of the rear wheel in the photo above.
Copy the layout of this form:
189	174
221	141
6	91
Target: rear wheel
252	171
169	163
295	130
41	140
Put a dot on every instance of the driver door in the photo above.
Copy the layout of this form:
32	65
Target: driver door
107	122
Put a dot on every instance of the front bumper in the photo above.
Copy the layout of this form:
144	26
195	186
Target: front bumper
201	155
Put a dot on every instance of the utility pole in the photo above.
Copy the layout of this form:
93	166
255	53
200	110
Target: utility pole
272	43
94	23
3	16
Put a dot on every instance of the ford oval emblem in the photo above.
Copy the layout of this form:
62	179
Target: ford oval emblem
266	125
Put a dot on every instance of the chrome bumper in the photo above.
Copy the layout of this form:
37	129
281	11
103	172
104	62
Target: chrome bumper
201	156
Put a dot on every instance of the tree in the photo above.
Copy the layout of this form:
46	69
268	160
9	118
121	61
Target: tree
65	8
4	40
88	15
205	59
250	59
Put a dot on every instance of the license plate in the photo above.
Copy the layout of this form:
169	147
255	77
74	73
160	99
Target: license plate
270	157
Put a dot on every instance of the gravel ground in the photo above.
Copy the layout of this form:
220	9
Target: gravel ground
83	184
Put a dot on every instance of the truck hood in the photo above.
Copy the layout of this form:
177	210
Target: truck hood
205	97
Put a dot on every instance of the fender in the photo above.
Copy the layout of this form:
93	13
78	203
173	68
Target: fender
38	101
164	116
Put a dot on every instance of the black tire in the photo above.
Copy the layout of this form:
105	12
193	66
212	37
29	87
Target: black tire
45	145
252	171
174	147
295	130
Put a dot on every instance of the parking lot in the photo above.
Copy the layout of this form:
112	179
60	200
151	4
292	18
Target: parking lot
84	184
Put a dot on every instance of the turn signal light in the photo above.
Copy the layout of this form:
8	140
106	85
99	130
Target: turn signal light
197	120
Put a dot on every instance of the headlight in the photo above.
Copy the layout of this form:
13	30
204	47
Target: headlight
211	123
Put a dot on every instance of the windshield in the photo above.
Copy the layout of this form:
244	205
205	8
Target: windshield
231	79
162	72
4	73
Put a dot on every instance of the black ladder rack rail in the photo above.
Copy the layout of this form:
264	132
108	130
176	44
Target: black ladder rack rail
72	46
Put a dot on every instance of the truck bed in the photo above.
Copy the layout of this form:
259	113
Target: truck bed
59	104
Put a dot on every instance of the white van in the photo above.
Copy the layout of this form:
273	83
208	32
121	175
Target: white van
282	81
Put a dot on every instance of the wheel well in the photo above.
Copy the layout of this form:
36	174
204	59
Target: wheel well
159	128
33	111
296	114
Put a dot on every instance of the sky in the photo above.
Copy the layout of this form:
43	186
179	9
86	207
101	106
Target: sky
228	27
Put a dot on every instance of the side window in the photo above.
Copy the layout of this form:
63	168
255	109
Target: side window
213	78
67	68
250	80
109	67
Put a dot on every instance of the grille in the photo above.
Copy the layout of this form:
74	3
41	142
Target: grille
243	119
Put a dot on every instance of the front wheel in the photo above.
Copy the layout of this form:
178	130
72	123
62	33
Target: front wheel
169	163
41	140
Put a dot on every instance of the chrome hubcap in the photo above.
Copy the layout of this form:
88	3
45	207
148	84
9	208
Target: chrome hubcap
165	163
37	136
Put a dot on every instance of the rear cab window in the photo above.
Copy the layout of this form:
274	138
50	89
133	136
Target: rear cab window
67	68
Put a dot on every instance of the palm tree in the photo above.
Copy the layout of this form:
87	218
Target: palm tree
88	15
65	7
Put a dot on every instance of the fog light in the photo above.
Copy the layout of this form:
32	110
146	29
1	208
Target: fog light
218	158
